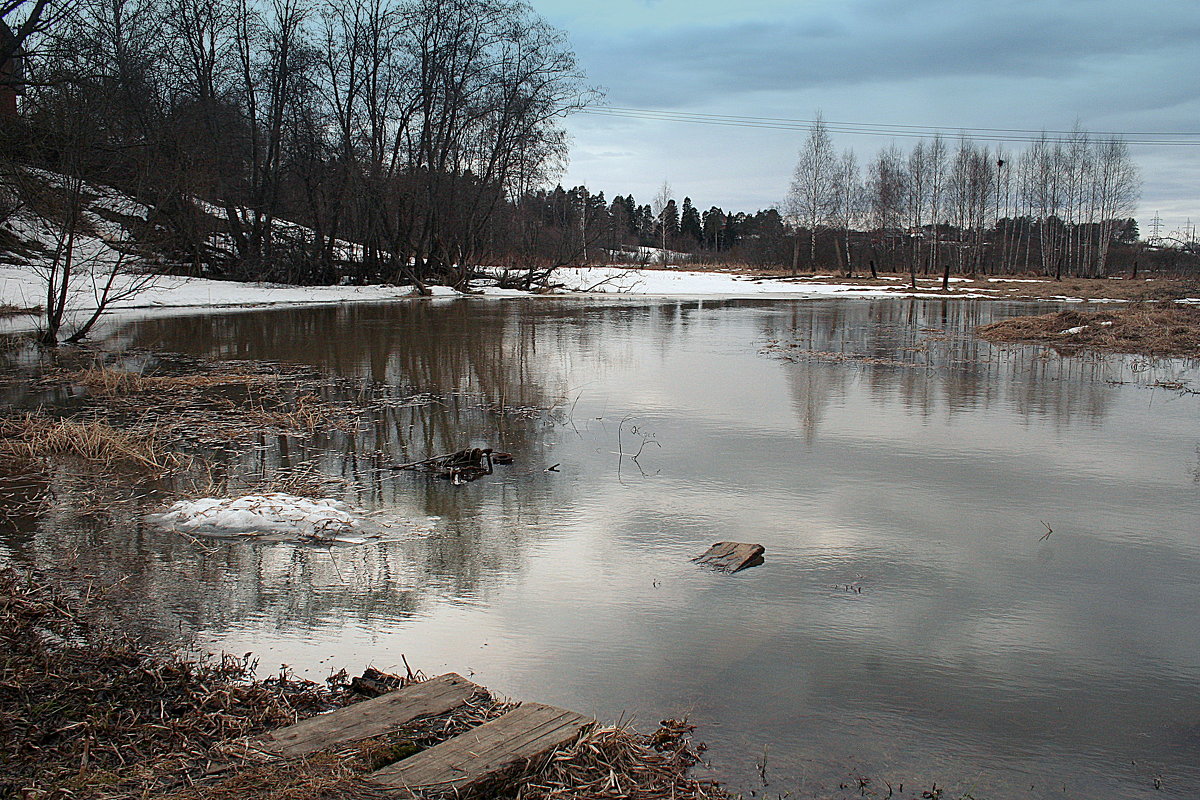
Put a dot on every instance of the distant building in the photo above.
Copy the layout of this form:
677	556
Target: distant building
12	73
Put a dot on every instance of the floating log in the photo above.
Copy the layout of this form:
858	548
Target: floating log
480	755
372	717
461	466
732	556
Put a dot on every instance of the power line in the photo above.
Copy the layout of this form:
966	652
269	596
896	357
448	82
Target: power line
1025	135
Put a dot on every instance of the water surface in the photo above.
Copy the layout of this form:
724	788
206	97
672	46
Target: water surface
910	624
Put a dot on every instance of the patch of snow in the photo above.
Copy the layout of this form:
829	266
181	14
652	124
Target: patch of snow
24	286
648	255
657	282
1072	331
1105	324
499	291
269	513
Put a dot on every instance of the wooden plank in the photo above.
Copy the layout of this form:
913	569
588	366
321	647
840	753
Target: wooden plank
523	735
732	556
371	717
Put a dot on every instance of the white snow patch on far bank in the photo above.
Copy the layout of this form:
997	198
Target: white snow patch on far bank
657	282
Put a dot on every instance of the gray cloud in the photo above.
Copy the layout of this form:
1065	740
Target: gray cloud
689	64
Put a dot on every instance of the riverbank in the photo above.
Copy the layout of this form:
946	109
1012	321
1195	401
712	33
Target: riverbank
90	712
21	289
1151	329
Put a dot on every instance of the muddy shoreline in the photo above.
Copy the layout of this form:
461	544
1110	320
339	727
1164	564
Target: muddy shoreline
91	712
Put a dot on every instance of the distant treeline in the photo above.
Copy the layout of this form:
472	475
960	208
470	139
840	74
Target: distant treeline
412	140
1056	208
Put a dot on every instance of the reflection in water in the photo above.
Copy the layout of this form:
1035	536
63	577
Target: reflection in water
889	450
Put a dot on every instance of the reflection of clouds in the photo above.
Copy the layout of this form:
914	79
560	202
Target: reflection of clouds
973	646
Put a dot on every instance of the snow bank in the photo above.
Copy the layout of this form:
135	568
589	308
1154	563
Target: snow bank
618	280
24	287
270	513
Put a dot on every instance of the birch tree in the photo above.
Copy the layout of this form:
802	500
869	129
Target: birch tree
812	193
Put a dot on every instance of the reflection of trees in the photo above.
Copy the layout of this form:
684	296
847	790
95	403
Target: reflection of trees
477	360
923	353
96	536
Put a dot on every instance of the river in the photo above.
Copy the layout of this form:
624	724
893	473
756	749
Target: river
912	623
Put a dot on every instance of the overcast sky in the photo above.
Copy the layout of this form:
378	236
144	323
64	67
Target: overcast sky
1030	64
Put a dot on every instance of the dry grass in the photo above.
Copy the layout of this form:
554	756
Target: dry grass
31	436
620	763
207	406
1160	329
87	713
308	414
303	480
104	381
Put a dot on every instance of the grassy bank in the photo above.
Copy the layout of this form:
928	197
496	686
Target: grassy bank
1151	329
1010	287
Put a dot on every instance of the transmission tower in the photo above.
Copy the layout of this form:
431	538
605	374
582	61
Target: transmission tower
1155	229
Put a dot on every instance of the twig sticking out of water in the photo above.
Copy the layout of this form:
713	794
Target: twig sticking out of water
1046	535
762	766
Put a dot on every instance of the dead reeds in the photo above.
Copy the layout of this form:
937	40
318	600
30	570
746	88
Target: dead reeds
619	763
31	436
87	713
1152	329
210	405
105	381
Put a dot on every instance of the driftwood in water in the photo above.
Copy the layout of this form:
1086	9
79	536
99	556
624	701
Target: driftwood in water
461	466
732	556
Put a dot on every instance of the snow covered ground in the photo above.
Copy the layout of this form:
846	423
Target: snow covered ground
687	283
23	287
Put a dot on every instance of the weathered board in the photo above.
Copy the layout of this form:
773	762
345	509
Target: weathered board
732	556
371	717
524	734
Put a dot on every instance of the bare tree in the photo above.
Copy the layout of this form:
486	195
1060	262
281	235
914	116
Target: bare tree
846	208
936	162
660	204
812	192
1117	187
886	190
919	182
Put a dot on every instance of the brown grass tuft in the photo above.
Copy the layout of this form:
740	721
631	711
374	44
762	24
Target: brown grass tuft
1159	329
86	713
104	381
38	436
619	763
